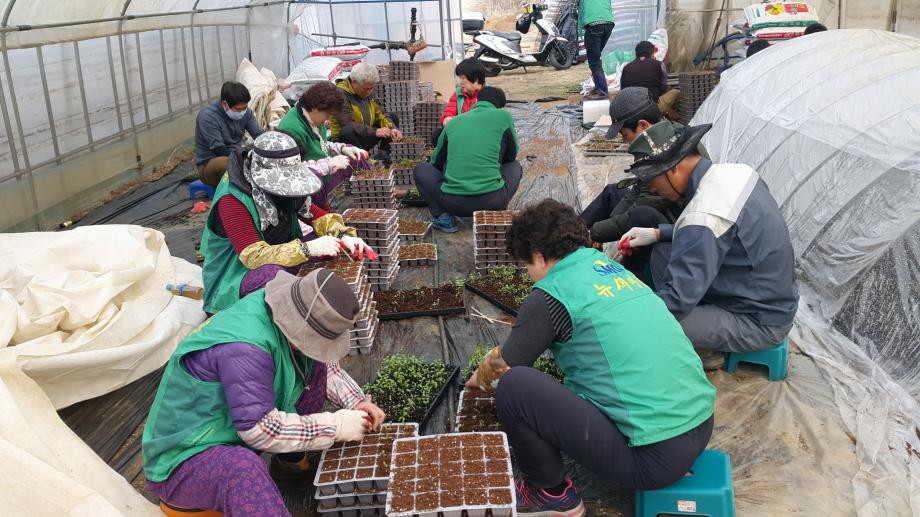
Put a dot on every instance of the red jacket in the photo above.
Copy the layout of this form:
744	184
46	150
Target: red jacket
451	109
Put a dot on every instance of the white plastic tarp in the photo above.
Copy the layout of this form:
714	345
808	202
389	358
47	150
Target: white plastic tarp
86	311
82	313
833	130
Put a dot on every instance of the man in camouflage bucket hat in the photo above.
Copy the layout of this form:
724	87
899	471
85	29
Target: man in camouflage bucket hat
725	269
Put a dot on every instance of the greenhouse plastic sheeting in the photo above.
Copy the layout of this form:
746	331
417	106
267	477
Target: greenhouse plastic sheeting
835	132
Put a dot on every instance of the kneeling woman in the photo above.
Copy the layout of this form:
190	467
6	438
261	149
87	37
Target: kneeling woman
254	378
635	406
254	227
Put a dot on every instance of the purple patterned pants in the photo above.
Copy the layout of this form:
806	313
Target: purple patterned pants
233	479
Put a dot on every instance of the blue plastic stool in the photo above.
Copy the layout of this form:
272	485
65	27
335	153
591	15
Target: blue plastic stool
776	359
197	186
705	490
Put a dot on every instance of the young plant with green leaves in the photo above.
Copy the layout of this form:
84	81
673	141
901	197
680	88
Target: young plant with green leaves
406	386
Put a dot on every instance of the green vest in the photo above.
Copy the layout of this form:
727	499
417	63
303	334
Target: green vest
590	11
222	271
189	415
474	144
298	127
460	100
628	355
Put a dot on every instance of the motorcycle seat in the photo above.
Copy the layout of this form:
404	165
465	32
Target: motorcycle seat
510	36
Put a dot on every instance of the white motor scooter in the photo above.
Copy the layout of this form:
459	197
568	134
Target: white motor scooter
502	50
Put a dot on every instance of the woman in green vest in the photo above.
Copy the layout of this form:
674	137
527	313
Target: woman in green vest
262	220
635	406
253	379
307	125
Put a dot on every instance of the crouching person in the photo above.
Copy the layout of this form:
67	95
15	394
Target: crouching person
635	406
474	166
254	378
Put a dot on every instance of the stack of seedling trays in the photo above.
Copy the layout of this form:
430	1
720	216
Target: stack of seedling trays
409	148
380	230
352	477
694	88
373	188
426	92
413	231
605	148
404	71
451	473
489	238
427	116
379	91
354	273
476	412
401	98
418	254
402	171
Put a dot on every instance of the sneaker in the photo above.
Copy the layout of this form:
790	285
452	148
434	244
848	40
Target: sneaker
712	360
445	223
536	502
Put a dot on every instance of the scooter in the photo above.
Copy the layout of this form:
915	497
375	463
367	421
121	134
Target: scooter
502	50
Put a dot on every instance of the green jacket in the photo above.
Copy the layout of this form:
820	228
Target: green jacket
360	116
312	147
222	271
592	11
627	355
472	149
637	194
189	415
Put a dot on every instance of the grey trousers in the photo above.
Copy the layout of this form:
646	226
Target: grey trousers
710	327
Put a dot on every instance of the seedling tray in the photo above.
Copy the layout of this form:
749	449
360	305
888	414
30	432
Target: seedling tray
370	218
413	202
393	305
476	412
415	236
429	250
338	475
450	474
494	301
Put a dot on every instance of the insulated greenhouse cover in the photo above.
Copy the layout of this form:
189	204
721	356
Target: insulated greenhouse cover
831	122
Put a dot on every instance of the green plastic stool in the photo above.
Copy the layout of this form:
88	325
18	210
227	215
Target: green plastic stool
705	490
776	359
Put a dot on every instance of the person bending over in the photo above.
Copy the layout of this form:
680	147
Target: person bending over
362	122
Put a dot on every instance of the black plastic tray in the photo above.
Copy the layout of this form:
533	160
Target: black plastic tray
448	383
413	202
493	301
413	314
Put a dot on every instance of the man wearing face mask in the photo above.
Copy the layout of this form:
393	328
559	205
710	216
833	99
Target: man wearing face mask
219	130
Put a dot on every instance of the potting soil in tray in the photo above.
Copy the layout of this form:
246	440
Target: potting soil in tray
424	301
503	286
408	389
354	468
476	412
421	254
413	230
451	473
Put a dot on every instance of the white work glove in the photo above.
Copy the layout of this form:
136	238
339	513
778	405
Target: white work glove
637	238
350	425
326	246
354	153
356	246
339	162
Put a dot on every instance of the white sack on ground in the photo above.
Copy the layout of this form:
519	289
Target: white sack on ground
85	312
266	101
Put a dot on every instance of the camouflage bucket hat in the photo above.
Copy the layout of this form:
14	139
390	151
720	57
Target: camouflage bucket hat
277	168
662	146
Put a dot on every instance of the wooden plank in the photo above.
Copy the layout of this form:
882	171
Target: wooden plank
105	423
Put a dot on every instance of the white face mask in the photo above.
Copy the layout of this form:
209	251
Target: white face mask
234	115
